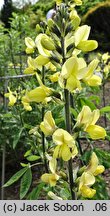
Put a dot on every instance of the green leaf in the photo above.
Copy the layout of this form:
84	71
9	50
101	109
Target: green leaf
25	183
17	137
34	195
74	112
89	103
15	177
105	109
101	189
33	158
27	153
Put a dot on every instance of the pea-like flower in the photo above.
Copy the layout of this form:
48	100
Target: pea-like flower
66	147
81	39
40	94
12	97
94	166
30	45
87	120
48	125
85	182
51	178
44	44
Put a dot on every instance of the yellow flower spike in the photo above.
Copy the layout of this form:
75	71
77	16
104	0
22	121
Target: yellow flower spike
87	192
96	132
55	77
29	43
50	179
82	34
12	98
48	125
87	46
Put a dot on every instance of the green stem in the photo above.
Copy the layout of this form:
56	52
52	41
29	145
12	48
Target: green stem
42	134
68	128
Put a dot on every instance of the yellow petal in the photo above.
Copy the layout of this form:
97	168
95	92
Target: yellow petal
87	179
53	164
87	192
100	169
66	153
87	46
82	34
96	132
90	69
29	42
12	100
27	106
47	42
56	151
48	125
29	50
84	116
29	70
54	77
93	163
94	81
73	83
69	67
41	60
95	116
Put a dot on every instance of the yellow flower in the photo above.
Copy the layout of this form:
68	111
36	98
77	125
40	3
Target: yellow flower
85	182
90	78
66	147
96	132
94	166
12	97
48	125
44	44
81	39
75	19
30	45
54	77
50	178
40	94
73	70
87	120
87	46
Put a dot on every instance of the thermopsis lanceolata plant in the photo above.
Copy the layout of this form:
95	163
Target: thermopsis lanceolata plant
56	59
